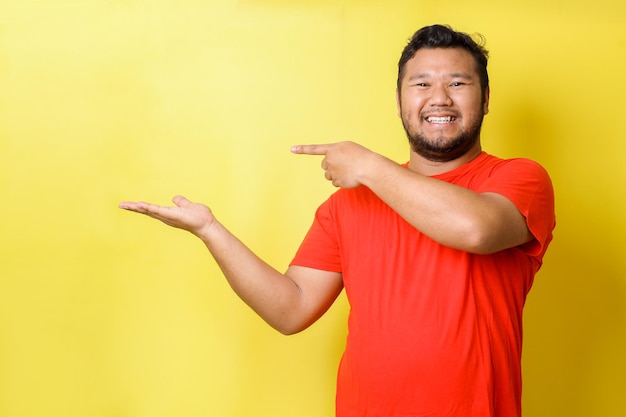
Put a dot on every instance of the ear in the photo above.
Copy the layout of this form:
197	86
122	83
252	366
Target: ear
486	101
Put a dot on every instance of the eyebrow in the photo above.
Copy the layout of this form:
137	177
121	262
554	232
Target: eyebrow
425	75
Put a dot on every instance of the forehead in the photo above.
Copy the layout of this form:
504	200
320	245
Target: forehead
440	62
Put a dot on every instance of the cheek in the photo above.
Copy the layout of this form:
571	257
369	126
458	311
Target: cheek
409	106
471	109
405	115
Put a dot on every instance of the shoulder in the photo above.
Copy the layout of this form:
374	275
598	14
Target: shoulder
490	173
521	165
512	171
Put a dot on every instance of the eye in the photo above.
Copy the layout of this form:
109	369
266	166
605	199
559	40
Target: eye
457	84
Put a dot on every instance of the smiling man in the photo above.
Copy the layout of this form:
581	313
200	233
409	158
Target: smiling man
436	255
441	93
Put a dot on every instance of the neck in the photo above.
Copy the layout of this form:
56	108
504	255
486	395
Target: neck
421	165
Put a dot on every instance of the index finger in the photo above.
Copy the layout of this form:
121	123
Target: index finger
310	149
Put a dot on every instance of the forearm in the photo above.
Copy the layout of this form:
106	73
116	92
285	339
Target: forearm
272	295
452	215
289	302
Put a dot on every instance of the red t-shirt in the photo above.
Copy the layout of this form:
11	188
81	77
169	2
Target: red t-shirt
433	331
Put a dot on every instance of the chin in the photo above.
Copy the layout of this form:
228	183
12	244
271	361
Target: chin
443	150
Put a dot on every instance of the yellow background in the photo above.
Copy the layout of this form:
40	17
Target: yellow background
104	313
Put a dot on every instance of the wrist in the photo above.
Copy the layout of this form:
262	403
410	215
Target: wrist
209	231
373	169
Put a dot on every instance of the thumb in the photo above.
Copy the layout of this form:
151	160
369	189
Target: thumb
181	201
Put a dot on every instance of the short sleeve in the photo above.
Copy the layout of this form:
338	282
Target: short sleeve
320	247
528	186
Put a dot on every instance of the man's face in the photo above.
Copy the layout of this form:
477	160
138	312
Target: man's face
441	103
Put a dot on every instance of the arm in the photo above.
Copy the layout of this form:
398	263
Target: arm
288	302
452	215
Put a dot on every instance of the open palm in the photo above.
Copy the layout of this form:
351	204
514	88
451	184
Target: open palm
185	215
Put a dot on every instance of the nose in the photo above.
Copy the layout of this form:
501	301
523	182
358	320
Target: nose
440	95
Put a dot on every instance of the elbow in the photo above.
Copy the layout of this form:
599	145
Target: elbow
479	239
289	329
487	238
288	325
481	248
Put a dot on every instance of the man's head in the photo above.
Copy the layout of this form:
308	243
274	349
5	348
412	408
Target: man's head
443	93
439	36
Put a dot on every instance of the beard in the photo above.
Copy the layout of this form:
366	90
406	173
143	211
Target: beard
444	149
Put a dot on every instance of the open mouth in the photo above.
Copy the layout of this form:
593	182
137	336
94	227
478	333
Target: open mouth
440	120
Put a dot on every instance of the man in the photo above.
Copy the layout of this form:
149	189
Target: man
436	255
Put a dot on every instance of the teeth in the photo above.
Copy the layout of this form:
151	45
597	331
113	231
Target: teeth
433	119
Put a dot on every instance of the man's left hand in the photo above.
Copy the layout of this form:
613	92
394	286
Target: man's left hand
344	163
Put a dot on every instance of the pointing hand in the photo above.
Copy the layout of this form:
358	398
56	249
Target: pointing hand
344	163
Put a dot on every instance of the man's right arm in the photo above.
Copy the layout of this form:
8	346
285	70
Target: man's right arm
289	302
